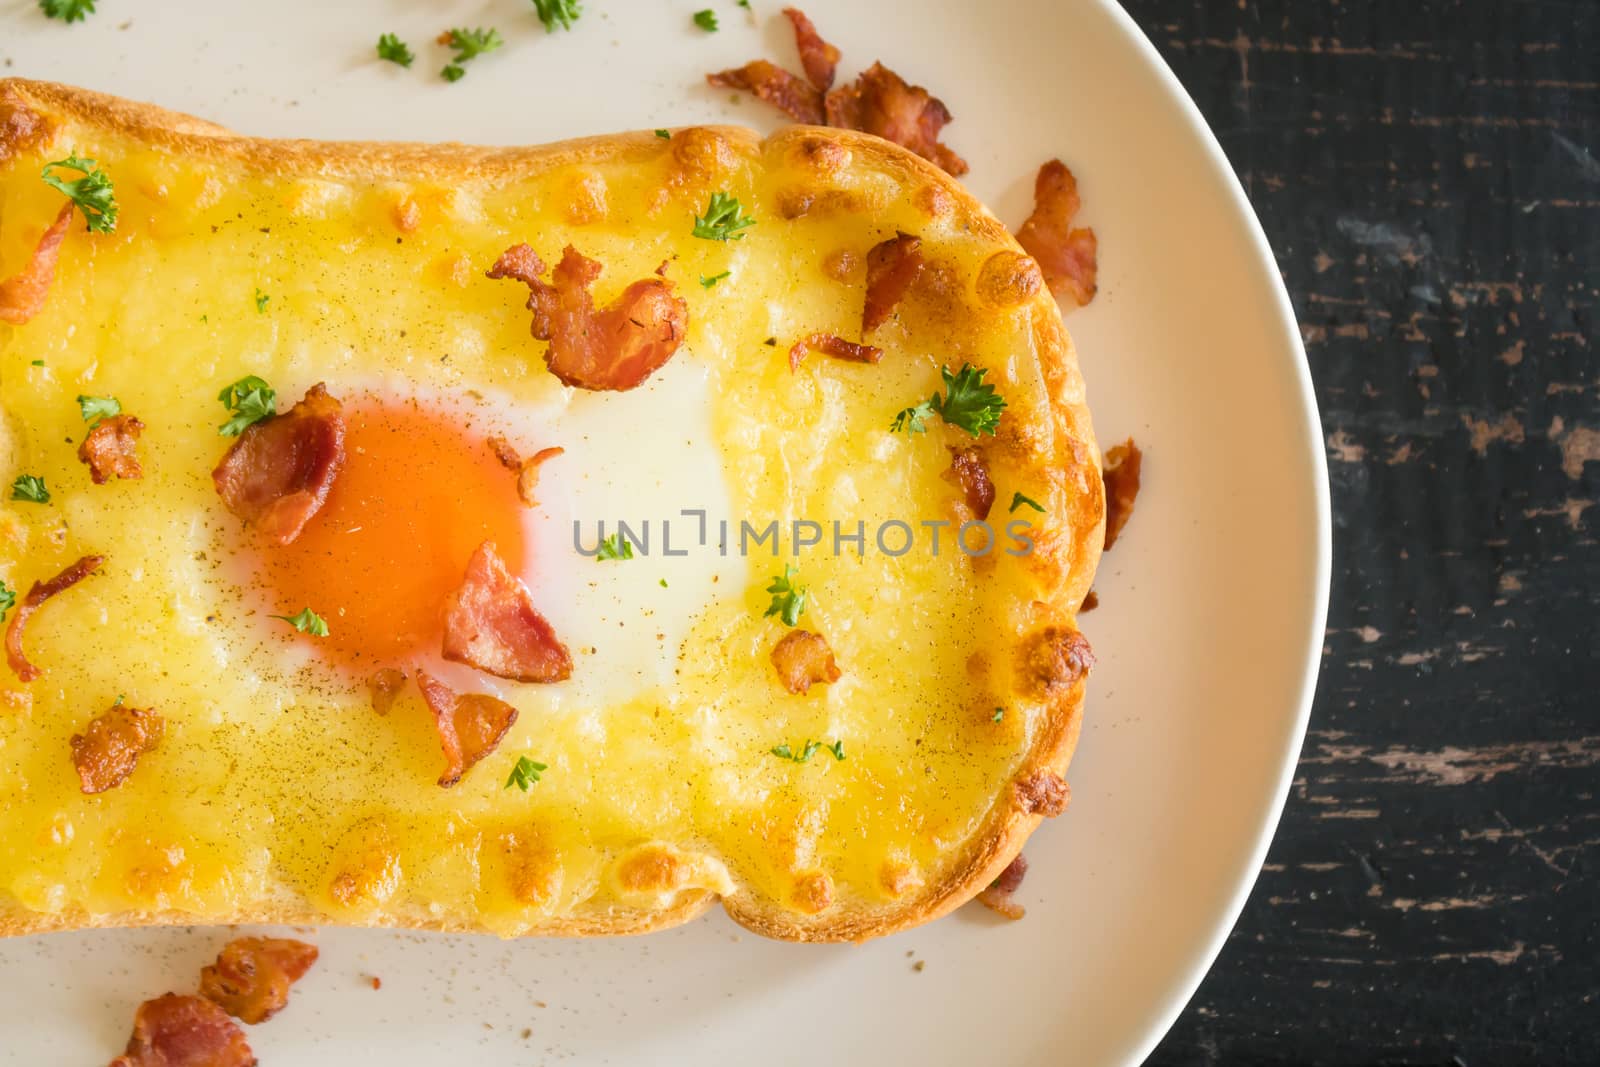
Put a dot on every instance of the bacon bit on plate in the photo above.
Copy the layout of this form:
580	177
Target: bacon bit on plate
278	473
490	623
22	295
818	57
829	345
1045	793
181	1031
526	470
252	976
881	102
110	746
1065	255
377	983
892	266
1122	486
787	92
803	659
385	685
970	474
615	348
998	897
471	725
1091	601
111	449
37	595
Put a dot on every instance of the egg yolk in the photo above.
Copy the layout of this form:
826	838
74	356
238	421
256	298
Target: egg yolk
418	493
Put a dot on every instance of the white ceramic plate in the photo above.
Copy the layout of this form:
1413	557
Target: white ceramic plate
1213	602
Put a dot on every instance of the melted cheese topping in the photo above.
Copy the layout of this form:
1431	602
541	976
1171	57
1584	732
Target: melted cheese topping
275	781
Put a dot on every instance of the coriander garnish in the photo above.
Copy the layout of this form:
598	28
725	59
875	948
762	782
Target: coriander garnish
552	12
395	50
31	488
250	399
1018	500
525	773
8	598
788	599
92	193
724	216
469	44
706	20
707	283
809	750
67	10
307	622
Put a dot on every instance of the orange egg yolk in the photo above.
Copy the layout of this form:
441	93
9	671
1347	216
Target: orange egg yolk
418	493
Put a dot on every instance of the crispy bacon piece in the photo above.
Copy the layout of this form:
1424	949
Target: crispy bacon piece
617	348
1091	600
278	473
829	345
1066	256
787	92
880	102
526	470
111	449
817	57
180	1031
892	266
1121	476
37	595
803	659
385	685
1046	793
471	725
490	623
110	746
22	295
970	474
998	896
252	976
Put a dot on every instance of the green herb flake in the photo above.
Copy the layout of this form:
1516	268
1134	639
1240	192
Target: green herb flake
395	50
525	773
1018	500
706	20
92	193
723	219
968	402
913	420
307	622
30	488
67	10
707	283
558	12
38	363
788	599
453	73
810	749
665	135
615	547
999	714
8	599
95	408
250	399
262	299
663	583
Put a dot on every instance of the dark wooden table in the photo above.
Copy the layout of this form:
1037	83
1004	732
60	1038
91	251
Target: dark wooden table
1429	175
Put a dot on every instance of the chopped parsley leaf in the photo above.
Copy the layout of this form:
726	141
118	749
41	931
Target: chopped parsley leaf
968	402
809	750
707	283
615	547
525	773
30	488
663	583
92	193
999	713
67	10
395	50
8	598
250	399
95	408
744	4
1018	500
788	599
261	301
724	216
307	622
38	363
469	44
551	12
453	73
665	135
706	20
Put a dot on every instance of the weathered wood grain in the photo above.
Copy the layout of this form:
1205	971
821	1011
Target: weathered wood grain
1429	175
